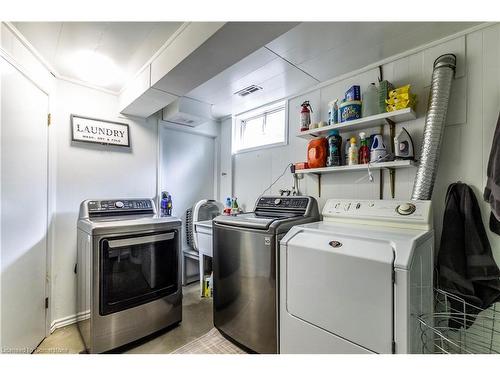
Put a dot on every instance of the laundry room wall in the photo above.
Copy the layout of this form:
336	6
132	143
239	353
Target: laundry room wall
82	171
79	171
473	112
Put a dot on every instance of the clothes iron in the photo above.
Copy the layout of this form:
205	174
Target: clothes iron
403	145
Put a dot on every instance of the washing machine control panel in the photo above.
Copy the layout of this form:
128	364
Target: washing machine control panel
296	203
121	205
406	214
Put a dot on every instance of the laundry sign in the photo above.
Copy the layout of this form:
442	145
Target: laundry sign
86	129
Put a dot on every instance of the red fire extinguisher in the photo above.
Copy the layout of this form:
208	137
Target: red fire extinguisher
305	116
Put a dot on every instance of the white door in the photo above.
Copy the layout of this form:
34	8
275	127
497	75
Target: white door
187	169
23	208
226	160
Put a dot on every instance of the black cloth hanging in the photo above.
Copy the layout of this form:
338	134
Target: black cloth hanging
492	189
466	266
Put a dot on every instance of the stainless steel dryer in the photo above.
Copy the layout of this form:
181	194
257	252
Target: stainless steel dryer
245	263
128	272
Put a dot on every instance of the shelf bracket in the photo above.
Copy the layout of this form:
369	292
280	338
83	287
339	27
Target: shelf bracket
392	171
381	173
319	184
392	176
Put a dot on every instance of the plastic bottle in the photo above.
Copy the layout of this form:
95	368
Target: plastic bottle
164	203
353	152
333	110
364	151
370	104
334	146
169	205
227	208
234	206
347	145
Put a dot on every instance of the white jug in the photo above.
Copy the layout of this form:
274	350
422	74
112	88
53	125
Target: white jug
378	149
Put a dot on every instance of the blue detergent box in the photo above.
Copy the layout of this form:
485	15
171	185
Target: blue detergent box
353	94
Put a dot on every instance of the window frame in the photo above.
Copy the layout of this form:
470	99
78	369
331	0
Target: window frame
263	111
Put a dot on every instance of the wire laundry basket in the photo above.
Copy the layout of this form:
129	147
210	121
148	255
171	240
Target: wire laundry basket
457	327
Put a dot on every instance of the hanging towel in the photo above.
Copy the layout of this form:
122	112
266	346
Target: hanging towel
492	189
466	266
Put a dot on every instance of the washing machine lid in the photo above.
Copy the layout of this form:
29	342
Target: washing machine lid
351	293
254	220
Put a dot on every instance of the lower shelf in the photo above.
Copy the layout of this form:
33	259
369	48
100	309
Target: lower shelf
396	164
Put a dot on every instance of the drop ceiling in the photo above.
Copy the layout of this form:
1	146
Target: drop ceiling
310	53
128	44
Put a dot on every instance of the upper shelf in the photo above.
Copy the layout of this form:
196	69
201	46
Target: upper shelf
402	115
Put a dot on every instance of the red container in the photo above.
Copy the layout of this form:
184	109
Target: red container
301	165
317	153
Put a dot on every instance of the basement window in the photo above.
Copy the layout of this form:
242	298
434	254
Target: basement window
261	128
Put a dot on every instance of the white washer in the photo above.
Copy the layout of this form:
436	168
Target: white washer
356	281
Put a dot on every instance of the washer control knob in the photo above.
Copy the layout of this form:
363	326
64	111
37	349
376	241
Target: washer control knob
406	209
277	201
119	204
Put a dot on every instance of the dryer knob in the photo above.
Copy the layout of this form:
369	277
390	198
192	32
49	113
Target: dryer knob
406	209
277	201
119	204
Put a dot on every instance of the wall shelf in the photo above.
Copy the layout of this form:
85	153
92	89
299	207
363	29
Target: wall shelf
391	166
402	115
396	164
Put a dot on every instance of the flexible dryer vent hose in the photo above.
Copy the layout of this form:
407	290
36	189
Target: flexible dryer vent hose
442	77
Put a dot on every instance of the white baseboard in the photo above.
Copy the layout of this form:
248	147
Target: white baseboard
68	320
62	322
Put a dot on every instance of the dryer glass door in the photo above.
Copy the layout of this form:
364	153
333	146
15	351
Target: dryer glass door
137	269
342	285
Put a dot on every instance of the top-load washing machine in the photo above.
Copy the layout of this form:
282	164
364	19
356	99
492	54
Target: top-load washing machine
357	281
245	249
128	272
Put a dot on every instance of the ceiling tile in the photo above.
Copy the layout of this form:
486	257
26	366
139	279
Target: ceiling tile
382	40
289	82
129	44
208	90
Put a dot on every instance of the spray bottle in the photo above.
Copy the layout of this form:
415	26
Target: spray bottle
364	151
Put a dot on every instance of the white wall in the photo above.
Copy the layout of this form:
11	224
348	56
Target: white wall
472	118
83	171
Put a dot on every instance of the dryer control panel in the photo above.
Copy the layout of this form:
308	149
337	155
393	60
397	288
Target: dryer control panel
119	207
403	214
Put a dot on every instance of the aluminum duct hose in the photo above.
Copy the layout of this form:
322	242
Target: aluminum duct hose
442	77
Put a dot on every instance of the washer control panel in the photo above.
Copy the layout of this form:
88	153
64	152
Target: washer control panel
129	205
405	214
300	203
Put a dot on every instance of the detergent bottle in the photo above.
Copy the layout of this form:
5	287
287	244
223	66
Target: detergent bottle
353	152
234	206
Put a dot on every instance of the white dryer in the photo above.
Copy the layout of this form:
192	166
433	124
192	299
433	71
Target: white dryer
356	281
